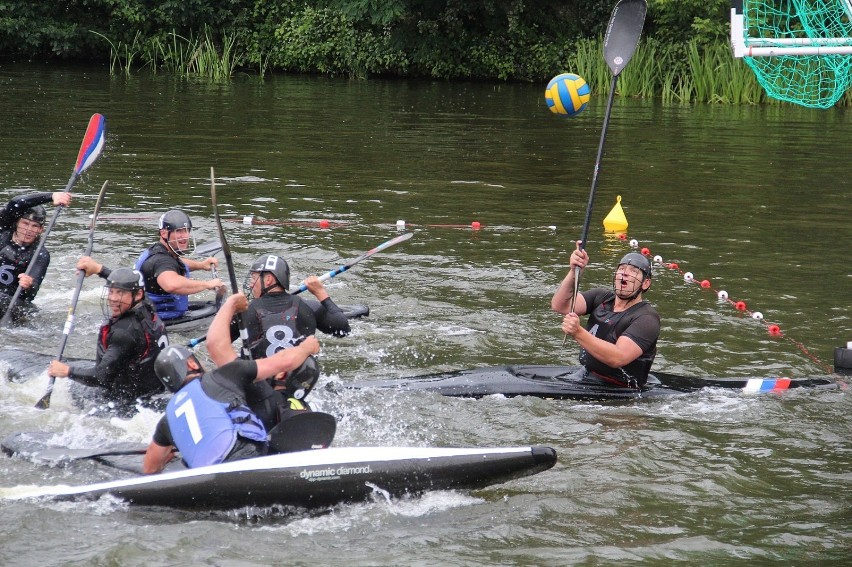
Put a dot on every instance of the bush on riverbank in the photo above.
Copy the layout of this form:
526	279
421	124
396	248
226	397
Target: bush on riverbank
684	56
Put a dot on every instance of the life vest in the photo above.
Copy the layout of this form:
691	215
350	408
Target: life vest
608	325
169	305
205	430
279	330
154	339
14	260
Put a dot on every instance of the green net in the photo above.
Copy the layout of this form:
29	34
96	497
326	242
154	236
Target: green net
812	80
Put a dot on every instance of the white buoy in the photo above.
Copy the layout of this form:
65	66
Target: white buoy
634	243
658	259
248	219
723	294
688	277
757	315
400	225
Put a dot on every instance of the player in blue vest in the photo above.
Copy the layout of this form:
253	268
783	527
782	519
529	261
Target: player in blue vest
208	419
166	268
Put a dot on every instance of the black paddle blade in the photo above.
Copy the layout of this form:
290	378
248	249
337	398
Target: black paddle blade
303	431
44	401
208	248
622	33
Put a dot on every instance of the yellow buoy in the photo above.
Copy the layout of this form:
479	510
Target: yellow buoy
615	221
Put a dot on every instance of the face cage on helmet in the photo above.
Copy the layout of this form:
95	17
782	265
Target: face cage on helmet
190	250
641	280
248	289
105	309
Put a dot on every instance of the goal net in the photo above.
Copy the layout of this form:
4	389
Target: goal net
799	50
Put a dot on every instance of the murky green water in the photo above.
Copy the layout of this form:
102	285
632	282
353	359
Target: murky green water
756	200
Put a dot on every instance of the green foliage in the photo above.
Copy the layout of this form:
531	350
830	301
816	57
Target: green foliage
677	21
683	55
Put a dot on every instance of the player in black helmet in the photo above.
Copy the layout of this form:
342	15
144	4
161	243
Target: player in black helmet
619	342
128	342
276	320
209	419
166	267
21	224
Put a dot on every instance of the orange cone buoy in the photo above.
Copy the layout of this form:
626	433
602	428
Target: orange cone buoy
615	221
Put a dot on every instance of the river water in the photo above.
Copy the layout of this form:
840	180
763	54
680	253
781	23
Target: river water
753	199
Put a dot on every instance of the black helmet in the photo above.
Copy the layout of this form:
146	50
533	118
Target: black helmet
274	265
35	213
125	278
637	260
175	220
170	366
298	383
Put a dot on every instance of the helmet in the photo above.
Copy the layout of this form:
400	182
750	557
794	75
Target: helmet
298	383
125	278
637	261
175	220
35	213
170	366
274	265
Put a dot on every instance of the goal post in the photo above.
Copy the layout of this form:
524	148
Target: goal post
799	50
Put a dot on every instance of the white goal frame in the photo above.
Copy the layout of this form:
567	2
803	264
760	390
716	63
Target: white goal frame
744	46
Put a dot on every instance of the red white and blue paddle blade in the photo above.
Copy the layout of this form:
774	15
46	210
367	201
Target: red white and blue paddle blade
93	143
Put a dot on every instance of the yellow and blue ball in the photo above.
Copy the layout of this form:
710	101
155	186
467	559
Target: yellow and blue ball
567	94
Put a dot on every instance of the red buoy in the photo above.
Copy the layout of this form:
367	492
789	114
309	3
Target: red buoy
740	305
324	223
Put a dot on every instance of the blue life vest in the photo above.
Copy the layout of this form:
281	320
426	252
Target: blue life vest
169	305
205	430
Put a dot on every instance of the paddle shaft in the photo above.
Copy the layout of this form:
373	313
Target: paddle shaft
68	455
335	272
44	402
622	37
339	270
245	352
90	149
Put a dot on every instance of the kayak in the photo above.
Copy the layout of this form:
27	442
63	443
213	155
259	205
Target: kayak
23	364
567	382
200	314
309	479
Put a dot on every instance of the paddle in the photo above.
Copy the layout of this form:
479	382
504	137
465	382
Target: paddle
299	432
620	41
44	402
335	272
208	249
62	456
211	249
90	149
339	270
302	432
245	352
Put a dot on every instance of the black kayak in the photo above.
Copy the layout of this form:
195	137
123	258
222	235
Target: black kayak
200	314
569	382
22	364
314	478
